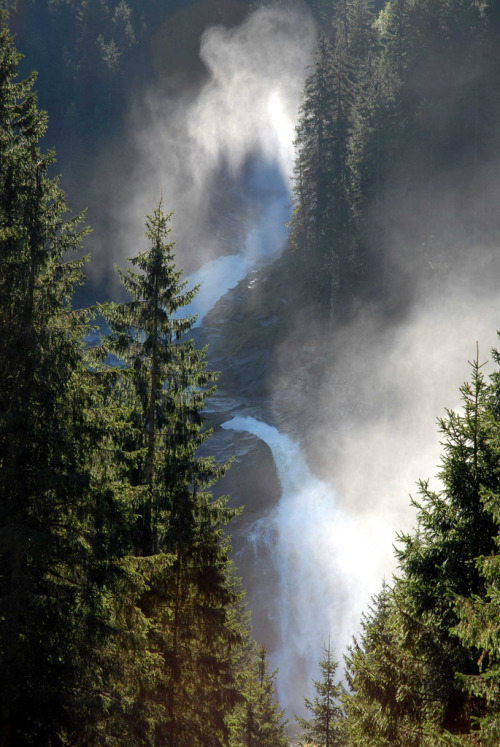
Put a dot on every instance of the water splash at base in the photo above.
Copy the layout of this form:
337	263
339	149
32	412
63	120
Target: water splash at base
326	561
306	536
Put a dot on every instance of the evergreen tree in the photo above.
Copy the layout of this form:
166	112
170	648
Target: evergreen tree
119	664
396	23
437	561
194	627
50	615
312	171
324	231
167	373
412	682
384	699
478	630
256	721
73	654
372	150
404	676
323	729
320	225
479	614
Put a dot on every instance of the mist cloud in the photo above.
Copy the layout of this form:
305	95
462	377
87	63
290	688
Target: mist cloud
372	432
203	149
217	154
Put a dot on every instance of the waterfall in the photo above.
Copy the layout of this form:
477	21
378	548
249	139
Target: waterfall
312	545
263	244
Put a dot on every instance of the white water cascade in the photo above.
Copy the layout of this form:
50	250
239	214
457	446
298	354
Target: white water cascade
319	554
263	243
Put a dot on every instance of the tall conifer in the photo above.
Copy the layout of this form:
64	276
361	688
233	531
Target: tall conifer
257	720
323	227
48	605
190	601
437	561
323	728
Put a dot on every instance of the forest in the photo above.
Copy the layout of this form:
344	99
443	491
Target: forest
123	617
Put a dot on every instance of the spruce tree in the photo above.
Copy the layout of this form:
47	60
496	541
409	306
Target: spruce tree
406	677
324	233
256	720
313	172
479	614
168	375
437	561
383	701
73	655
323	729
191	594
424	671
49	606
478	630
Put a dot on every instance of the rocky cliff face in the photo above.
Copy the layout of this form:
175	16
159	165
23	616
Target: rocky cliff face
263	344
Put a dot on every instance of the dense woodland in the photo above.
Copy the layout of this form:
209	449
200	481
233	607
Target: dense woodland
122	620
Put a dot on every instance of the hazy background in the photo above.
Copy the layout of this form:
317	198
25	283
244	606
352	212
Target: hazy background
215	150
220	152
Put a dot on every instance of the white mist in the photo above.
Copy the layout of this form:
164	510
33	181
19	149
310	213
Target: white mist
180	144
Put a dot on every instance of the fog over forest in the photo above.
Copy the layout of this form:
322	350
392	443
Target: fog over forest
371	434
332	170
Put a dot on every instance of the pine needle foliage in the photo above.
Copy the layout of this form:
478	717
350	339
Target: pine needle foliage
256	720
49	606
425	669
190	608
438	560
73	640
323	728
478	614
169	379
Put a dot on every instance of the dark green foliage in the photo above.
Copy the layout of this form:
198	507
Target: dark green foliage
415	121
256	721
67	596
312	172
86	68
119	612
396	131
412	680
323	728
438	560
167	375
323	230
100	52
478	613
46	605
383	702
194	630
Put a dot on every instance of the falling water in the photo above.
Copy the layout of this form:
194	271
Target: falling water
263	243
315	548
